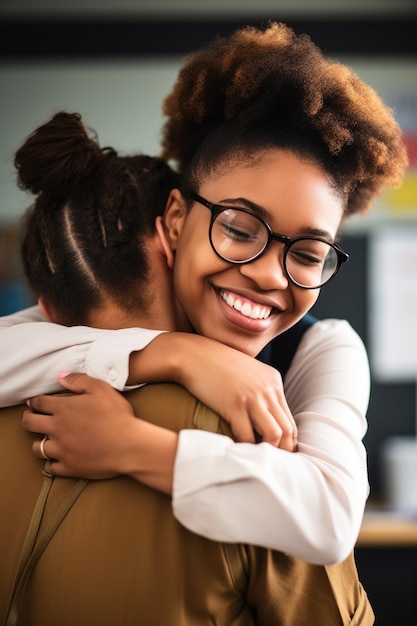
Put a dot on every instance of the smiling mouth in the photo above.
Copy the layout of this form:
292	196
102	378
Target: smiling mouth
253	311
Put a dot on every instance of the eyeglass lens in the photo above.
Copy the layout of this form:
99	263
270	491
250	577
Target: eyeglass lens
239	237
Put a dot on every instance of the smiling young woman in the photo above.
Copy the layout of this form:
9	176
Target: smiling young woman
294	196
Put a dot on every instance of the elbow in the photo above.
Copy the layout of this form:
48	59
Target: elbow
335	550
332	549
340	539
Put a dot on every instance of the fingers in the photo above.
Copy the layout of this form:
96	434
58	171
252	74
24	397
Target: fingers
289	441
269	413
261	425
271	432
285	421
243	430
42	404
57	467
43	448
267	419
276	428
49	405
35	422
79	383
48	449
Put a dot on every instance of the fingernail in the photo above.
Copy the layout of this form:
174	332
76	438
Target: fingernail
28	403
62	374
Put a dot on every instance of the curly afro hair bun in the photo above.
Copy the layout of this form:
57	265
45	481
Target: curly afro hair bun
274	78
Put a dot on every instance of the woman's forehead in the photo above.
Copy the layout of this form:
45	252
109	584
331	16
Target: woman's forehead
280	186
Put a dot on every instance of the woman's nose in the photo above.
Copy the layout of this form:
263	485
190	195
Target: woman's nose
268	270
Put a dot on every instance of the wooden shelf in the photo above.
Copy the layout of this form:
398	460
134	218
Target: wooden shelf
383	528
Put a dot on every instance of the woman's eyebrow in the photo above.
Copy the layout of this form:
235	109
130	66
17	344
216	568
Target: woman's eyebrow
247	204
318	232
265	215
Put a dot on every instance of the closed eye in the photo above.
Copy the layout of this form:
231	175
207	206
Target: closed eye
305	258
309	252
234	233
239	226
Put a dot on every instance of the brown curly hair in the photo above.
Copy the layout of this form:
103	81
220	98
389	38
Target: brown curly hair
265	89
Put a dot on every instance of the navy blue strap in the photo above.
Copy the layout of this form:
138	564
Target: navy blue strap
280	351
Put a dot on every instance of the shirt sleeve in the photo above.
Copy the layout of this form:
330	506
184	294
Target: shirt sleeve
33	352
308	503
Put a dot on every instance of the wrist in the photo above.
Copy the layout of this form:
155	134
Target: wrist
150	456
159	361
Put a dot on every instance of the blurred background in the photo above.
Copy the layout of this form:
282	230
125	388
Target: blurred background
113	61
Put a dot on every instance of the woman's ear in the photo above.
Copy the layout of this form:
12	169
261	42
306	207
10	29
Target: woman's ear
166	248
174	217
46	310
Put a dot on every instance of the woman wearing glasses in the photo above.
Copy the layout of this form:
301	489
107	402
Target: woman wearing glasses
277	146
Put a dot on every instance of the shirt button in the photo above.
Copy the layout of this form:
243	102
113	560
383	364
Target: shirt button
112	374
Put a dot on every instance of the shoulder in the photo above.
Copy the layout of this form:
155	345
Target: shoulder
165	404
171	406
31	314
330	348
331	334
331	345
331	361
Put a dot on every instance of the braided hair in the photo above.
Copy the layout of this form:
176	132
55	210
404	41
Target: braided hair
85	235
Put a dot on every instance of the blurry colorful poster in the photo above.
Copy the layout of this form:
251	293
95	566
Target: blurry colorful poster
393	302
403	201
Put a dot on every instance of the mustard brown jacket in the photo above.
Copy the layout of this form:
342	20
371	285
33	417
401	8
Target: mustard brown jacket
118	557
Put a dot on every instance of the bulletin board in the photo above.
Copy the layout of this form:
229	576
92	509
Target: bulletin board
393	302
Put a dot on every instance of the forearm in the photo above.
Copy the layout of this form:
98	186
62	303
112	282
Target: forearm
93	433
33	353
151	456
246	393
264	496
309	504
158	361
173	357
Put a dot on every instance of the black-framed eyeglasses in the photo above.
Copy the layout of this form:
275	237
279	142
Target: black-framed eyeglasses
239	236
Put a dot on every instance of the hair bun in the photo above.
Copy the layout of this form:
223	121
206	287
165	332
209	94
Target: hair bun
57	156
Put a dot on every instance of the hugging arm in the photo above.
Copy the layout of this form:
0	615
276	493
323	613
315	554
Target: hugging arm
309	504
246	393
34	351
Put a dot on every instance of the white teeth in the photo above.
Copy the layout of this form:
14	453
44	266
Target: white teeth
254	312
237	305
